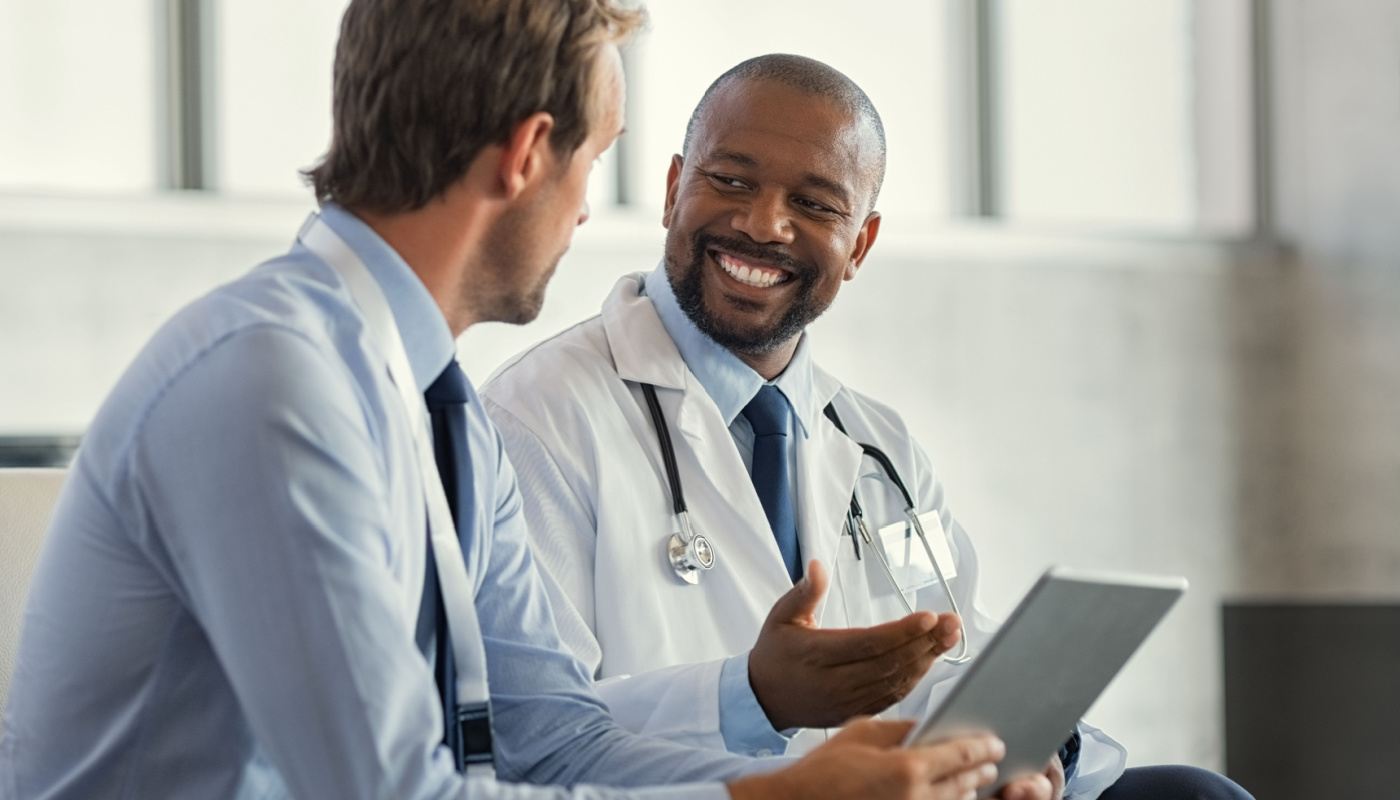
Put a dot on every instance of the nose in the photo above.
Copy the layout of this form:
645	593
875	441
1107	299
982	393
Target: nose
582	213
766	218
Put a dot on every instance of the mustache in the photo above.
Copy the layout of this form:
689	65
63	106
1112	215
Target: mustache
772	254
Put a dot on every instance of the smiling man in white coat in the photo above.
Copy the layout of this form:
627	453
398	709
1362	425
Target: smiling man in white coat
769	210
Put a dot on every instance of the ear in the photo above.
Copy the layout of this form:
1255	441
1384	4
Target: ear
864	241
528	156
673	182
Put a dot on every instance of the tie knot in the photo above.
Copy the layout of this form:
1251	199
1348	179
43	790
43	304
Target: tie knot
768	412
450	388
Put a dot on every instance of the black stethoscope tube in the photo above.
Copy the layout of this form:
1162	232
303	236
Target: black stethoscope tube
689	553
668	452
673	477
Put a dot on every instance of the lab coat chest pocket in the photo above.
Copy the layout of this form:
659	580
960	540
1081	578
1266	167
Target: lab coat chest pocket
860	608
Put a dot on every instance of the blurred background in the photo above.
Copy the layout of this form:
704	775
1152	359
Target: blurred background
1137	290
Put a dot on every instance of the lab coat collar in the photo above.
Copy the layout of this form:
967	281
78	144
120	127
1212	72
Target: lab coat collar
729	382
642	350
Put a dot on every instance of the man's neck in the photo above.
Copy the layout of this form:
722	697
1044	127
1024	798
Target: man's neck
772	363
437	242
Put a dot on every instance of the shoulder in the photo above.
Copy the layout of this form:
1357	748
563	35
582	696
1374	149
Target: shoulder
282	332
871	421
865	417
565	374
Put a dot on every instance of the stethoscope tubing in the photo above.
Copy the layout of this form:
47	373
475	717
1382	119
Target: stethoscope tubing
855	515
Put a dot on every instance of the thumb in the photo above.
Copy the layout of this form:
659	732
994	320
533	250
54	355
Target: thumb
799	605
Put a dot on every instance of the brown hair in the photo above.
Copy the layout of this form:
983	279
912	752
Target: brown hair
422	86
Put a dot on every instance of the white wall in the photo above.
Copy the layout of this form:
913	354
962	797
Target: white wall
1335	528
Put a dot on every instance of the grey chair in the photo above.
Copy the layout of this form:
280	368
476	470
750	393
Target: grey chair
27	498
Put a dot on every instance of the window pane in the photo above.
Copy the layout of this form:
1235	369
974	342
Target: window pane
274	78
892	48
1096	123
77	85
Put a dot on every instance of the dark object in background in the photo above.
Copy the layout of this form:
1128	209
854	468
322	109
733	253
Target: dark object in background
37	451
1312	699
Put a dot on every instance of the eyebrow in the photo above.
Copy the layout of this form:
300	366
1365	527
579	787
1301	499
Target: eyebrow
734	157
810	179
829	185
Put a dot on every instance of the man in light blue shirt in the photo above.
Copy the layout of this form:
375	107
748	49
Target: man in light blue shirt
228	600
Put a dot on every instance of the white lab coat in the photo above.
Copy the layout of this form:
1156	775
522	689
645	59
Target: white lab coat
598	505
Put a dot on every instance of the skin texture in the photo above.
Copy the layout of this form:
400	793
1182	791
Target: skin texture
781	181
488	245
852	672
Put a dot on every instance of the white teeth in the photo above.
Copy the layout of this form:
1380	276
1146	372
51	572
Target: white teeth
749	277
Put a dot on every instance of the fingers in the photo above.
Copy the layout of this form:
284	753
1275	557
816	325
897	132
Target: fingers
1031	787
876	732
917	653
949	758
848	645
963	785
799	605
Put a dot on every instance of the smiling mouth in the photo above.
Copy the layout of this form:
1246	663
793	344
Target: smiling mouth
750	274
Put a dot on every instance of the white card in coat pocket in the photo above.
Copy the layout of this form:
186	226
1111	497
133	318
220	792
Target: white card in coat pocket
909	560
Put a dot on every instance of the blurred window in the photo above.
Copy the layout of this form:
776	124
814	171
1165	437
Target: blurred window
274	91
1107	110
1087	113
78	89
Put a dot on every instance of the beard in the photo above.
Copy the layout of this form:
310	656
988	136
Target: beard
688	285
511	287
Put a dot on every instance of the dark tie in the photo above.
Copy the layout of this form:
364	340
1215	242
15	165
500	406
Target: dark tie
768	414
446	400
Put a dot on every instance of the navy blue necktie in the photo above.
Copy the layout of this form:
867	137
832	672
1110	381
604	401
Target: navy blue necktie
446	400
768	414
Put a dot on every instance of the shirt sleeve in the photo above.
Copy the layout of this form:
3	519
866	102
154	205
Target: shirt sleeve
742	721
265	494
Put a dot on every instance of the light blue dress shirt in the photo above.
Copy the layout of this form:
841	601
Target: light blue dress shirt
732	384
226	601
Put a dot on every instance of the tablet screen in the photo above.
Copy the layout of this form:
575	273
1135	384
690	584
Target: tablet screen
1049	662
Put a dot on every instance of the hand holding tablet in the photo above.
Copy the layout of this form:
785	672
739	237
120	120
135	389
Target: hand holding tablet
1049	662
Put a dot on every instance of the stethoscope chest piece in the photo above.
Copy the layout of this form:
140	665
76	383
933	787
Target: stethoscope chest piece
689	552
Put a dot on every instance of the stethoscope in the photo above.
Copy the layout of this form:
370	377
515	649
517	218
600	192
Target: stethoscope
690	553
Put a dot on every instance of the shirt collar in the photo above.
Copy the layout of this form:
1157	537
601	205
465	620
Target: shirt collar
421	324
729	382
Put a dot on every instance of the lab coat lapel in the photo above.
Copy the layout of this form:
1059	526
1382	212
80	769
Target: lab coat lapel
725	482
642	350
721	496
828	465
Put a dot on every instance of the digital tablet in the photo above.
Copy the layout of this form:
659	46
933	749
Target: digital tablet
1049	662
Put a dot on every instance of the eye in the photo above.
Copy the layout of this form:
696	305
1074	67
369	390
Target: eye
725	181
816	207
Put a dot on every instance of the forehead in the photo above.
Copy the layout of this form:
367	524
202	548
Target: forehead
782	126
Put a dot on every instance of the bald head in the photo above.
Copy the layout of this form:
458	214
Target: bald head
812	78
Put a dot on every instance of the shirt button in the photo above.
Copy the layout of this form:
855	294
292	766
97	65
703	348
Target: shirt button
764	753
